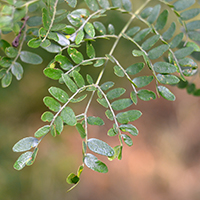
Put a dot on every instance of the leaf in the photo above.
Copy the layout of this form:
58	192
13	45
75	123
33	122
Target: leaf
79	99
103	102
22	160
95	121
128	116
187	62
118	71
133	96
11	52
127	5
162	20
52	48
68	116
47	116
183	4
154	14
158	51
104	3
6	80
52	104
117	3
5	62
78	79
146	95
193	45
30	58
117	149
89	79
64	62
194	35
181	53
142	81
107	85
33	157
58	123
100	147
42	131
90	50
92	4
121	104
166	93
89	29
146	45
53	73
142	34
167	79
189	14
62	40
71	3
164	67
75	55
100	27
111	132
46	18
146	12
17	70
99	63
81	130
59	94
129	128
167	35
135	68
34	43
34	21
25	144
115	93
133	31
69	83
176	40
111	29
72	179
109	115
79	37
193	25
191	88
93	163
127	140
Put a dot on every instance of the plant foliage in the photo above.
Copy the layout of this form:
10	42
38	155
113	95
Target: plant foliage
62	27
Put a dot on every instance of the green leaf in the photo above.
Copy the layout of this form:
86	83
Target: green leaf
182	84
164	67
99	63
146	45
100	147
46	18
78	79
104	3
95	121
90	50
103	102
129	128
64	62
128	116
6	80
127	5
47	116
193	45
176	40
22	160
89	79
146	12
167	79
2	73
154	14
187	62
79	99
133	31
69	83
194	35
52	48
75	55
133	96
115	93
162	20
127	140
42	131
93	163
117	3
4	44
79	37
166	93
53	36
34	43
17	70
5	62
107	85
158	51
142	34
59	94
111	29
193	25
11	52
135	68
117	149
92	4
71	3
72	179
89	29
142	81
81	130
189	14
53	73
25	144
121	104
68	116
196	92
146	95
191	88
52	104
100	27
58	123
30	58
33	157
167	35
111	132
109	115
181	53
118	71
137	53
183	4
34	21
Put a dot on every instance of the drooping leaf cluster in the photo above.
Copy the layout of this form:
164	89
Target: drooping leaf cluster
167	52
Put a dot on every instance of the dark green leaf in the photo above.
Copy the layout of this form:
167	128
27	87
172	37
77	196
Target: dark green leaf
189	14
11	52
118	71
53	73
34	21
92	4
59	94
133	96
111	29
79	37
100	27
95	121
193	25
75	55
89	29
162	20
133	31
182	84
90	50
72	179
52	104
81	130
42	131
47	116
167	79
64	62
111	132
68	116
107	85
103	102
181	53
176	40
31	58
158	51
17	70
127	5
183	4
6	80
154	14
5	62
127	140
196	92
109	115
104	3
115	93
4	44
121	104
142	34
142	81
58	124
164	67
46	18
194	35
166	93
146	45
100	147
146	12
146	95
71	3
167	35
2	73
69	83
93	163
191	88
129	128
128	116
25	144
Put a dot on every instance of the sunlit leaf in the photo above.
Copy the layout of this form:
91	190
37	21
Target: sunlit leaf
129	128
47	116
53	73
42	131
127	140
17	70
166	93
89	29
142	34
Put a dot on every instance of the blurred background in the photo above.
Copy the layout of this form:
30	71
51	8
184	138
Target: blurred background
163	162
